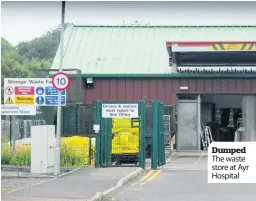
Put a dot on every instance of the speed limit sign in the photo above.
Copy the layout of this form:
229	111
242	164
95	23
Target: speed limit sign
61	81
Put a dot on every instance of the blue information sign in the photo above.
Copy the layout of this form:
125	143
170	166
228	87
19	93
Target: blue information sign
40	100
51	91
39	90
53	100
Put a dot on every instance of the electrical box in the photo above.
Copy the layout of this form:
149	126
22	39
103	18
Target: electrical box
42	149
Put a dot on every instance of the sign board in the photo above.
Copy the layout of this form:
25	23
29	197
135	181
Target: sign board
135	123
31	91
96	128
125	110
232	162
61	81
18	110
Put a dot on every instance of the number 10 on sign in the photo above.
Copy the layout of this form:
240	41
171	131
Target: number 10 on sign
61	81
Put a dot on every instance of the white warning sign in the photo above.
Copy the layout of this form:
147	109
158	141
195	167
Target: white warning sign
232	162
125	110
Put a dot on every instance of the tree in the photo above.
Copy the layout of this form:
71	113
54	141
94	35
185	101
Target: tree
44	47
27	57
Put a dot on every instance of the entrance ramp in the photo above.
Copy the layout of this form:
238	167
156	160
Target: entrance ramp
188	154
187	161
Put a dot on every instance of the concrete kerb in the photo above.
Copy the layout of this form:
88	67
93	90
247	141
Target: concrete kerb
100	195
70	172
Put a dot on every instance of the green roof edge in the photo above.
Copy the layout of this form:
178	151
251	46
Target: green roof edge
172	75
167	26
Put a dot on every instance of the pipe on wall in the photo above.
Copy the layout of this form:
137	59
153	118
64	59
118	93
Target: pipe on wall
249	118
199	120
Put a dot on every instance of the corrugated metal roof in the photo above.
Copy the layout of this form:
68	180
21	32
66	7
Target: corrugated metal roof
135	49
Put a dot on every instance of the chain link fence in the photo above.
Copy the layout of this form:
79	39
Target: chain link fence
19	127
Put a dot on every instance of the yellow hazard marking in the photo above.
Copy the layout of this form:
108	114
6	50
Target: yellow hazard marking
9	101
146	175
149	173
24	100
233	46
152	177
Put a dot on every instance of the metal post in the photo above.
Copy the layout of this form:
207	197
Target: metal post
155	130
57	148
10	129
98	135
142	136
199	121
14	132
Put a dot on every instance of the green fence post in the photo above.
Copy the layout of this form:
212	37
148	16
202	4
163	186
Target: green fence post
78	118
161	142
103	142
90	151
108	149
142	136
154	155
163	134
98	136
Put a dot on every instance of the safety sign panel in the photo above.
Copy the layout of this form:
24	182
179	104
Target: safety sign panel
18	110
54	100
9	90
32	91
52	91
24	100
24	90
9	101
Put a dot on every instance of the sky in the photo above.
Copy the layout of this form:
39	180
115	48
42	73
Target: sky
23	21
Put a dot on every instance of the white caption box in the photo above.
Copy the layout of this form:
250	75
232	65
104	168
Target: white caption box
232	162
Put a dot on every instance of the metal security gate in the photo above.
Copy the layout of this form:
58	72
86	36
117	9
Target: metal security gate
121	139
158	137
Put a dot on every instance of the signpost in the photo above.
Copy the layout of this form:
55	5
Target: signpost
61	82
32	91
61	85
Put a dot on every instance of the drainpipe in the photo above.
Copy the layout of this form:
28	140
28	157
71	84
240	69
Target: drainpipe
199	121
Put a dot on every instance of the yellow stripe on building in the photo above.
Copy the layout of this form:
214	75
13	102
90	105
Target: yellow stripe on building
233	47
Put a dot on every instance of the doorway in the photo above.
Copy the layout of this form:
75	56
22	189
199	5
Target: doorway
187	138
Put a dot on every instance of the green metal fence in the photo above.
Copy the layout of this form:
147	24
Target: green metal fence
158	138
121	141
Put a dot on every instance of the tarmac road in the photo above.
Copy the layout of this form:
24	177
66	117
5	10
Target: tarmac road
183	178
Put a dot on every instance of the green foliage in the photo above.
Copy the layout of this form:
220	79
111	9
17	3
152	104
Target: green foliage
69	156
23	61
5	45
5	154
5	150
70	159
21	158
44	47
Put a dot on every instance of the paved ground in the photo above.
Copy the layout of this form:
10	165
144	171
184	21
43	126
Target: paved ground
80	185
183	178
10	184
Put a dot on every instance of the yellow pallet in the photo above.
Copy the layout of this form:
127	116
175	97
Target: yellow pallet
122	125
125	142
121	120
130	130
